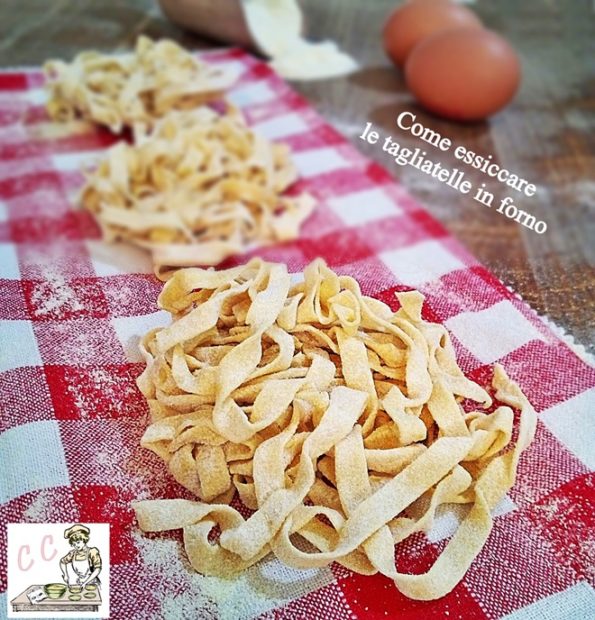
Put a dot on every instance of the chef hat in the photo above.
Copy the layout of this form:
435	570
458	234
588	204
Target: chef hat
77	527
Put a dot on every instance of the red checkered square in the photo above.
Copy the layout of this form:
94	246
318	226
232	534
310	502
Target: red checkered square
323	604
24	397
131	295
44	506
256	71
315	138
14	133
56	298
35	114
378	597
378	175
13	81
109	504
12	300
145	593
395	232
515	568
75	225
41	147
336	250
97	450
549	372
323	221
91	461
78	342
371	273
28	181
566	519
468	290
16	146
49	202
331	184
544	466
102	392
18	176
11	112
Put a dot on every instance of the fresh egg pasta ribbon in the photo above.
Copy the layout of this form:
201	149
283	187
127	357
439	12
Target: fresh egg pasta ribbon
312	400
196	188
134	89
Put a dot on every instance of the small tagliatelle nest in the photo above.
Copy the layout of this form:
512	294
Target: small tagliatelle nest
197	188
334	418
132	89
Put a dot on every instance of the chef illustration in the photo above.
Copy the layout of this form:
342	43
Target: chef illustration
84	561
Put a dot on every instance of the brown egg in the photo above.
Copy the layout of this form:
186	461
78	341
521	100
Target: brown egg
463	74
415	20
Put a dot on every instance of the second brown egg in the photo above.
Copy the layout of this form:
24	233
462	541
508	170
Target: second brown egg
415	20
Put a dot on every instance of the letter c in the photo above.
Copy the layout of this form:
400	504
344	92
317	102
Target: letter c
43	548
402	115
20	556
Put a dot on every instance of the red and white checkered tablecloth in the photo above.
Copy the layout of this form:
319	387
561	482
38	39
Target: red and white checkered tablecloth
72	310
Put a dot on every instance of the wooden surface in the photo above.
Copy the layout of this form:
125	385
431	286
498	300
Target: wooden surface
546	136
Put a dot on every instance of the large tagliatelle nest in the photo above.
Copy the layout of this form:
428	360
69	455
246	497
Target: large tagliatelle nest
197	188
132	89
312	401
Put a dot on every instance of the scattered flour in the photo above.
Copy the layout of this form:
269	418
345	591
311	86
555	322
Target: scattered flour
40	509
54	296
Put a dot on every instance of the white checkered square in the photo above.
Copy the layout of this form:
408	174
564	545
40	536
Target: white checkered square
40	466
114	259
568	421
296	277
449	517
420	263
364	207
37	96
74	162
9	263
251	94
574	603
281	126
319	161
493	333
130	329
263	587
18	345
236	68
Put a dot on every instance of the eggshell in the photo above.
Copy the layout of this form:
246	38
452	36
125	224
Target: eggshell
463	74
415	20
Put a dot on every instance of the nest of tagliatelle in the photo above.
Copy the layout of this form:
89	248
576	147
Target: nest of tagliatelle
133	89
334	418
198	187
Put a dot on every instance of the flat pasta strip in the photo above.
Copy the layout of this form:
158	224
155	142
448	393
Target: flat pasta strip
320	446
